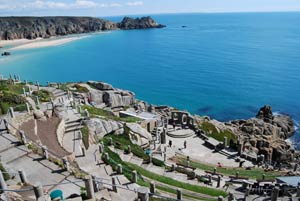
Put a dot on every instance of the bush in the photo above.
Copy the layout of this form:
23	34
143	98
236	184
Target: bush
4	172
81	89
44	95
158	162
213	132
85	136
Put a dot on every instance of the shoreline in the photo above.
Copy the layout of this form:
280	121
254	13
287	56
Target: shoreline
21	44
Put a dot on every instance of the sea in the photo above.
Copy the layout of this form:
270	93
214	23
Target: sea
225	65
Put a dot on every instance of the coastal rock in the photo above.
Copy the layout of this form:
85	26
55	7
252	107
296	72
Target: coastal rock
6	54
139	23
118	98
139	135
44	27
39	115
101	127
265	134
100	85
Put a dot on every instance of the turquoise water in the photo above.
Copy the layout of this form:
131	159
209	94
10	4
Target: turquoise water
223	65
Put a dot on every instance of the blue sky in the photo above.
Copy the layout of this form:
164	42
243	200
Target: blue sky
127	7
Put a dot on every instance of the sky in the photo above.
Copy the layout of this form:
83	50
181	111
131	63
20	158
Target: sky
134	7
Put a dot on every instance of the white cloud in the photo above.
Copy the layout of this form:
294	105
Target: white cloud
34	5
84	4
135	3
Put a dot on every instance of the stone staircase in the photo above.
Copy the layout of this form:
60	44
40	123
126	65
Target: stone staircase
15	157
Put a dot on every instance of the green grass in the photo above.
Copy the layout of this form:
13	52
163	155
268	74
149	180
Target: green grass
85	136
10	97
128	168
254	173
213	132
4	172
108	115
81	89
175	183
14	88
44	95
122	142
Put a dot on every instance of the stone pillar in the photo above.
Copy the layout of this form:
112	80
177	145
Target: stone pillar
150	159
87	113
79	109
114	184
11	112
275	193
209	179
173	167
179	194
95	185
24	91
37	100
230	197
143	194
101	149
110	141
219	181
106	158
83	150
163	137
2	181
38	191
23	176
45	152
152	188
6	125
134	176
66	164
38	85
128	149
120	169
220	198
295	167
23	138
298	190
27	107
225	142
165	157
90	192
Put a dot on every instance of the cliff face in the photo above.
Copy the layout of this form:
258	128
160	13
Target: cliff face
44	27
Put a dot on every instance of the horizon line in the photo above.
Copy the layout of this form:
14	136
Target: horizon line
163	13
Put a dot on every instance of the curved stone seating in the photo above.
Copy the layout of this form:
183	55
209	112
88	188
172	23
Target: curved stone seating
183	133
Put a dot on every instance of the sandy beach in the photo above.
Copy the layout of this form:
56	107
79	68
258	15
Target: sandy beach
37	43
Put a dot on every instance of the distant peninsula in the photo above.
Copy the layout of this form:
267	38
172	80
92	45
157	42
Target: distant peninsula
12	28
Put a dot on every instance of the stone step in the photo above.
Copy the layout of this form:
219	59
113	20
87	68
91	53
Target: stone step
13	154
7	141
136	160
72	125
78	128
73	121
181	133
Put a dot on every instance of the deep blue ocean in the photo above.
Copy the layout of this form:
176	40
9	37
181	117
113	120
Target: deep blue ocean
223	65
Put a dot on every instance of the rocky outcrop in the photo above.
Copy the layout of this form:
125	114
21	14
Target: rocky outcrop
139	23
103	93
102	127
44	27
138	134
265	134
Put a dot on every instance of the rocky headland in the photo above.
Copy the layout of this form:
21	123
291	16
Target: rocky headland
12	28
266	134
